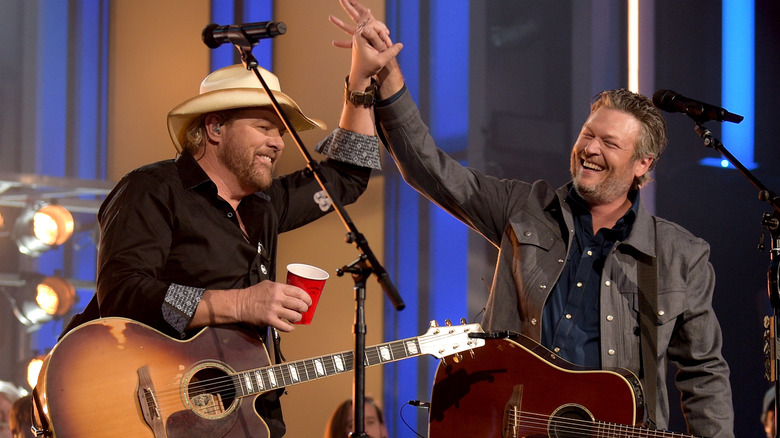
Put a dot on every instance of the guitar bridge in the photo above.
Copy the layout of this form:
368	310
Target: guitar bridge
511	423
147	398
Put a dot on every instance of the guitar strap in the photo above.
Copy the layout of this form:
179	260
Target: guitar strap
647	282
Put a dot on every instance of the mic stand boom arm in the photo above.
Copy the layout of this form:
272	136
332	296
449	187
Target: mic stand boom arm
367	262
244	46
770	222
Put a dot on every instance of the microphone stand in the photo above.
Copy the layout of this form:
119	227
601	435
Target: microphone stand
771	222
362	268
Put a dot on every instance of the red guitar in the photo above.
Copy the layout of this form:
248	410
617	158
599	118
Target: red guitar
114	377
517	388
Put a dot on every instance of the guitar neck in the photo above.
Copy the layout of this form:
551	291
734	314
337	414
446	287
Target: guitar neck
264	379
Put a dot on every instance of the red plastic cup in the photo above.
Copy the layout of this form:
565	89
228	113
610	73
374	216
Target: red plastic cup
312	280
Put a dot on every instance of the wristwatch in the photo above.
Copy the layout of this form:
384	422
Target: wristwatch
365	98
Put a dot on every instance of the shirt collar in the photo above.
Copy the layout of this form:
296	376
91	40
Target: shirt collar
190	172
623	225
193	176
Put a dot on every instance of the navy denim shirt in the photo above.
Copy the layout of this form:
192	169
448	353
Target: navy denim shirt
571	314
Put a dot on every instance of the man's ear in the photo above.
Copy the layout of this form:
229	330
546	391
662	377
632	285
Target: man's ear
642	165
213	125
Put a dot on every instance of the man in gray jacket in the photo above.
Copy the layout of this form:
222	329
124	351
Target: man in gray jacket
565	252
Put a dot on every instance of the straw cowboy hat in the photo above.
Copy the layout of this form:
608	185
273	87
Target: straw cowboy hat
230	88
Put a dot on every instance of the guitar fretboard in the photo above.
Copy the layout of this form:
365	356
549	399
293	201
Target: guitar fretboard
264	379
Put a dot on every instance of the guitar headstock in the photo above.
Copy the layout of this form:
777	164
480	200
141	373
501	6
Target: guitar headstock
442	341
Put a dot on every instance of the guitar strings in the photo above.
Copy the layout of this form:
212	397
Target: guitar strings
537	422
227	385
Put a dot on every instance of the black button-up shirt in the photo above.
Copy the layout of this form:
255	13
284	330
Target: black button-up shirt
164	224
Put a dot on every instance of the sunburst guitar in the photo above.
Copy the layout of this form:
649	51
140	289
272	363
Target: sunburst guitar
114	377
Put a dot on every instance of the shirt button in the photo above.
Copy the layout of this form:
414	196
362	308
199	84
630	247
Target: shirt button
230	215
611	352
661	313
556	349
579	284
264	269
608	283
527	234
560	260
542	286
568	316
533	321
610	317
590	253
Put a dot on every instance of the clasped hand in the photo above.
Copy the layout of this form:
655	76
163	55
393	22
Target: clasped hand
372	48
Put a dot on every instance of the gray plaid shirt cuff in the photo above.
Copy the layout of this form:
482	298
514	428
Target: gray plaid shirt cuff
351	147
180	304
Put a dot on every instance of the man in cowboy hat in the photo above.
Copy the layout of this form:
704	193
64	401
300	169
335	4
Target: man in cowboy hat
191	242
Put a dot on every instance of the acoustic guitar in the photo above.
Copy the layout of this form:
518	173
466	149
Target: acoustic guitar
515	387
114	377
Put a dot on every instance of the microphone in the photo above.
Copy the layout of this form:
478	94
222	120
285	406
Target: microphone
214	35
700	112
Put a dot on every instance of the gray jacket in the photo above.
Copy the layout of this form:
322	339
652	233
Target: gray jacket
532	226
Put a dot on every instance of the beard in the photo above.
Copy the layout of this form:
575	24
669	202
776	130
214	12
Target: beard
616	184
241	162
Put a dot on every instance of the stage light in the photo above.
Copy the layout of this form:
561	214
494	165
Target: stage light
41	301
34	370
42	228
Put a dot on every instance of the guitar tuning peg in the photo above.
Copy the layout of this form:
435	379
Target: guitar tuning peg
472	353
447	322
433	323
463	321
457	358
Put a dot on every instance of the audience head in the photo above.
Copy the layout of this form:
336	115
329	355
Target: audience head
340	422
21	417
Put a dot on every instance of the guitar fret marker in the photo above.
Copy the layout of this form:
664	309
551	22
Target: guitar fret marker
259	380
272	378
411	346
319	369
339	363
293	373
385	353
248	382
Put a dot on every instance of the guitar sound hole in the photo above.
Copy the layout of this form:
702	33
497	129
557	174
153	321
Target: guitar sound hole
571	421
211	392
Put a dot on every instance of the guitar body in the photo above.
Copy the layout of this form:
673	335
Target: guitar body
114	377
517	388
